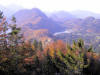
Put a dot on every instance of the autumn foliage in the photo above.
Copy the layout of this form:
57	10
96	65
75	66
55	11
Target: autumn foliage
18	57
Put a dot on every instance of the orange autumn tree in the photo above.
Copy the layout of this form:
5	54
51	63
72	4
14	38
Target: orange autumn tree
56	46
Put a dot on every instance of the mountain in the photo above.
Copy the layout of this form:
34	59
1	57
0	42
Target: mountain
36	25
61	16
84	14
35	19
88	24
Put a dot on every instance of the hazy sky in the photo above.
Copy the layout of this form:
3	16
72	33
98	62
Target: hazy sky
56	5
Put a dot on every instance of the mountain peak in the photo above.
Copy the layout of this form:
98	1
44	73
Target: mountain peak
61	16
29	12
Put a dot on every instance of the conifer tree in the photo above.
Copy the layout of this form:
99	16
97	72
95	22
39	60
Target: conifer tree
14	35
40	47
35	43
48	66
72	63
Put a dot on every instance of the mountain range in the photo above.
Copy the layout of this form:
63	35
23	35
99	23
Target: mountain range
84	14
34	21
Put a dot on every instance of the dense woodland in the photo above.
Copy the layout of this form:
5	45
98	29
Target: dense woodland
18	57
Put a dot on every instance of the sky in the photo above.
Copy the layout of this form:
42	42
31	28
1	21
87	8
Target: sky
56	5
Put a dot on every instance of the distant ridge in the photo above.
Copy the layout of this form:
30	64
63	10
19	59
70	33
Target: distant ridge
84	14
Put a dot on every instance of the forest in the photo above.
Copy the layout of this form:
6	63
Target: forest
19	57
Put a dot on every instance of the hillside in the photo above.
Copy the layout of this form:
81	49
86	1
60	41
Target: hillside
40	35
88	24
36	19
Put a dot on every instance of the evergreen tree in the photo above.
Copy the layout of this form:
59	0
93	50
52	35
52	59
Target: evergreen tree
14	35
40	47
35	43
48	66
72	63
